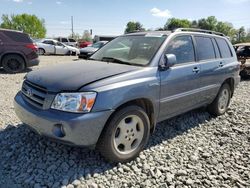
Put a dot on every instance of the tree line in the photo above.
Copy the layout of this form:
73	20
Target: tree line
209	23
34	26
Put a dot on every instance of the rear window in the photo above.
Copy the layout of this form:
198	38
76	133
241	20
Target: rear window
18	37
205	48
224	48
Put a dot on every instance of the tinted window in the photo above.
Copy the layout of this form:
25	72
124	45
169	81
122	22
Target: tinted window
205	49
72	40
182	47
224	48
216	48
18	37
64	40
48	42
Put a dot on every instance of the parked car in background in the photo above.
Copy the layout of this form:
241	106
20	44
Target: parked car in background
67	41
243	54
98	38
51	46
86	52
17	51
114	100
84	44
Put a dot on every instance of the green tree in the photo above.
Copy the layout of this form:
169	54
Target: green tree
30	24
86	36
174	23
134	26
208	23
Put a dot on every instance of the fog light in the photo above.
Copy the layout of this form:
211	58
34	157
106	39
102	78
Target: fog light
58	130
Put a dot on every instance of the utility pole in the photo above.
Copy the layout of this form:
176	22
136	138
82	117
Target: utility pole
72	26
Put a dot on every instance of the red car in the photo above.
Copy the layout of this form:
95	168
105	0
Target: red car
84	44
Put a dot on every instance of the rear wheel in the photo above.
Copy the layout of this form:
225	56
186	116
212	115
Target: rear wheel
13	63
41	51
220	105
125	135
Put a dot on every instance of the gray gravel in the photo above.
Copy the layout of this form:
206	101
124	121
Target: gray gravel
192	150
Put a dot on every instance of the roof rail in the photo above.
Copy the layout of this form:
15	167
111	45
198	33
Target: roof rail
3	29
199	30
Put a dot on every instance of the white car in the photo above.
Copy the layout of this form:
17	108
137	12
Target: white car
51	46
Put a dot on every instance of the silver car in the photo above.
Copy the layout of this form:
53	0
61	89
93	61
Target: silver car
51	46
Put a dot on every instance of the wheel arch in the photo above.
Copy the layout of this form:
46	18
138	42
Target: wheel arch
230	82
145	104
13	53
42	49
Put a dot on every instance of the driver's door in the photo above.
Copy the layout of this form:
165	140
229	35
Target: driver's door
61	49
180	83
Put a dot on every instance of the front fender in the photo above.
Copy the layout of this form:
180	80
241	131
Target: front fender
12	52
110	97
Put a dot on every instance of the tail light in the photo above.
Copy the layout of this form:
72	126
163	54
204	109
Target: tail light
32	46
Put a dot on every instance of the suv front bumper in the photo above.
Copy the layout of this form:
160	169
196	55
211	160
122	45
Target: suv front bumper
68	128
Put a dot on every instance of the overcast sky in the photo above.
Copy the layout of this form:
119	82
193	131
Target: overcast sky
109	17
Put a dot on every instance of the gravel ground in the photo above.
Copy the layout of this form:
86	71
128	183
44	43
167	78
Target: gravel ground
191	150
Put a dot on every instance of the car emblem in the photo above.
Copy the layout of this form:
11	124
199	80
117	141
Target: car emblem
29	92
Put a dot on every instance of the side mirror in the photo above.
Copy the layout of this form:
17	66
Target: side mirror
168	60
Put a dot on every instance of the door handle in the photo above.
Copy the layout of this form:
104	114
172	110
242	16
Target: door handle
196	70
221	64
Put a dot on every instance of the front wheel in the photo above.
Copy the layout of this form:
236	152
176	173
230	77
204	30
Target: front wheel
220	105
125	135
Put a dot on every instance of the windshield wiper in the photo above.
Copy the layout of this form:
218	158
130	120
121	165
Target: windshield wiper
114	60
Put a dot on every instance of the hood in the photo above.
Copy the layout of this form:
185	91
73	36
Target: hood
88	49
73	76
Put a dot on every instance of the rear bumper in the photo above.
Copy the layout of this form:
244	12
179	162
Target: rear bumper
68	128
33	62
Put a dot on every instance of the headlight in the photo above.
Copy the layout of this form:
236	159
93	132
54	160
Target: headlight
74	102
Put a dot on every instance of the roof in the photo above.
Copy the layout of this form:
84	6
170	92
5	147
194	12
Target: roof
2	29
150	32
179	30
243	44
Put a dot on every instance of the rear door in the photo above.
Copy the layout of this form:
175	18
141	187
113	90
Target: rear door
208	57
49	47
180	83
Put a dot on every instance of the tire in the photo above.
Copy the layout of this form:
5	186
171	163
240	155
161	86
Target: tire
41	51
121	141
13	64
220	105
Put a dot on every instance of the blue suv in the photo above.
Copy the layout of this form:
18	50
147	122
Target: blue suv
114	100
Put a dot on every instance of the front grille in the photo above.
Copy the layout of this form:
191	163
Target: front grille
34	94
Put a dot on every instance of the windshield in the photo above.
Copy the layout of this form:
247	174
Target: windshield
134	50
97	45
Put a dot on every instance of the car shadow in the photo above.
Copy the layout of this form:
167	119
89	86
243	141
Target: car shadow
2	71
25	157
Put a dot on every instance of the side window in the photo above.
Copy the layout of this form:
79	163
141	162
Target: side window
224	48
182	47
64	40
216	48
48	42
205	49
72	40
